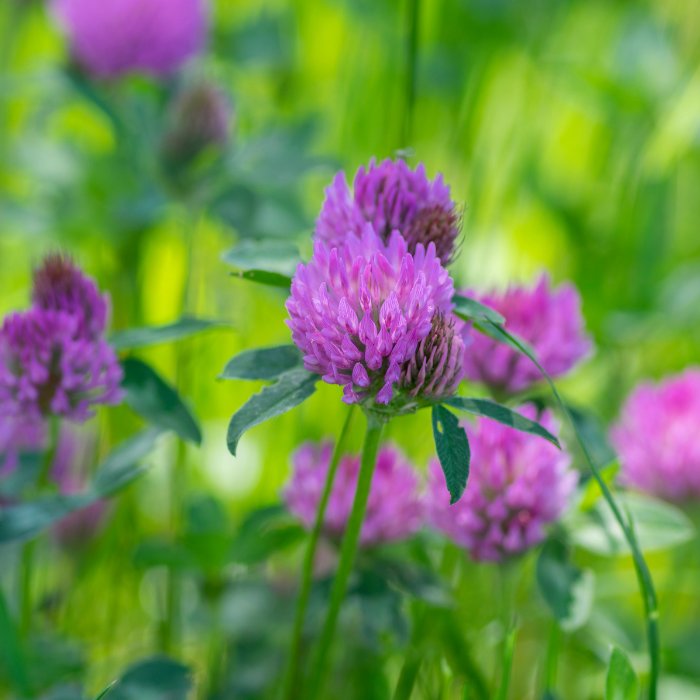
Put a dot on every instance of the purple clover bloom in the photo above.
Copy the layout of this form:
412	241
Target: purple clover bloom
60	285
47	367
657	437
518	483
394	509
360	315
391	197
113	37
550	320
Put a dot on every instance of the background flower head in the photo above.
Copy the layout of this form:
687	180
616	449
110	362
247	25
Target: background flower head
113	37
394	510
60	285
550	320
658	437
392	197
358	313
518	483
48	368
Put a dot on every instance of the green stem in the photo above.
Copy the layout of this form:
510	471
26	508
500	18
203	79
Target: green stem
552	663
508	650
414	656
411	68
294	667
646	584
347	554
11	651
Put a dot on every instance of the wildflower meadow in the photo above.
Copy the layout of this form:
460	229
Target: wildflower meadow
349	350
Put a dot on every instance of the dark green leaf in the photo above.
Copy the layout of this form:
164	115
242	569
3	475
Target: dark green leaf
150	553
467	309
502	414
11	652
293	388
270	279
263	363
497	333
592	432
26	473
566	589
157	678
621	681
452	447
146	336
148	395
269	255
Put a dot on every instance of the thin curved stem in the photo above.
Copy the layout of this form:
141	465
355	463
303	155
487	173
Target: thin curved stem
294	667
347	554
646	584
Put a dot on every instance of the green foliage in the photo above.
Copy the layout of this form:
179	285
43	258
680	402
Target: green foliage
621	680
452	446
263	363
146	336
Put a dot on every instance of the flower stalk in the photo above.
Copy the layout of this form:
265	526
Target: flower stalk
347	555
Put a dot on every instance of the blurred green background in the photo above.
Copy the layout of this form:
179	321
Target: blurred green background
568	129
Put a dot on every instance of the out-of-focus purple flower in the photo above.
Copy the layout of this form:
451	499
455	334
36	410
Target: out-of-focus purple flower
518	483
200	119
113	37
60	285
47	367
392	197
550	320
359	314
394	509
658	437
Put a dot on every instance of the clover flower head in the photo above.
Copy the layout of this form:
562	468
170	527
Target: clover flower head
518	483
359	314
394	509
656	437
111	38
47	367
550	320
60	285
392	197
200	119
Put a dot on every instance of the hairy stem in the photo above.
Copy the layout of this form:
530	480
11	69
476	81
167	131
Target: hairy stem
347	554
293	674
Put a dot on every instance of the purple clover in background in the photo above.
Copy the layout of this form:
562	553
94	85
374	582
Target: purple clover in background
60	285
111	38
360	314
550	320
518	483
658	437
48	368
394	509
391	197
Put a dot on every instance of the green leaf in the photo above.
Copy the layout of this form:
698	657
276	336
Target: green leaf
263	363
153	552
621	681
121	466
11	652
292	389
104	691
270	279
591	430
469	309
415	581
502	414
264	532
119	469
592	490
567	590
146	336
452	447
657	525
157	678
158	403
497	333
268	255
